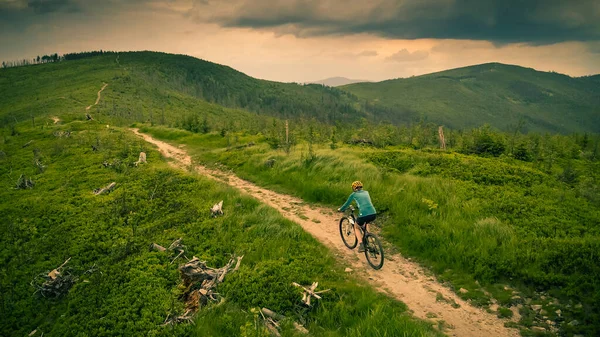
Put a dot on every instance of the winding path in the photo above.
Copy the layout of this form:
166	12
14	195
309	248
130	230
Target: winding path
399	278
98	98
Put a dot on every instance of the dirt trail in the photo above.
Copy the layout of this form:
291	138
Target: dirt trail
97	99
399	277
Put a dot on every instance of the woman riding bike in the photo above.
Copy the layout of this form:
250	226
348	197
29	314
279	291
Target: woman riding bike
366	211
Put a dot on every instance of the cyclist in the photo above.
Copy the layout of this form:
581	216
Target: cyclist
366	211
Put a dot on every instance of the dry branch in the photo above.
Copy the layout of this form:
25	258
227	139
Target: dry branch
107	188
177	245
24	183
272	314
54	283
157	247
310	292
273	321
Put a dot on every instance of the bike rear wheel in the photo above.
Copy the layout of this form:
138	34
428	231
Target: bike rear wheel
347	233
373	251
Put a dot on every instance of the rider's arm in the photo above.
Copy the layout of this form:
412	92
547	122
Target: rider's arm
348	202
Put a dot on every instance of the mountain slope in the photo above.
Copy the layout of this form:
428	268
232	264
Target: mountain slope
497	94
155	80
166	88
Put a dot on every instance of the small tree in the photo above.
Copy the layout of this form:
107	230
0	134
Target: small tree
486	142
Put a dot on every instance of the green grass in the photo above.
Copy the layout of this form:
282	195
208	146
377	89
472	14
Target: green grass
479	222
133	289
473	220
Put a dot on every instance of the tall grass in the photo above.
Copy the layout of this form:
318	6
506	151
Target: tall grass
129	290
473	220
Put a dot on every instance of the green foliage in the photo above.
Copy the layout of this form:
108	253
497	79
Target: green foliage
491	219
122	288
485	143
524	207
504	312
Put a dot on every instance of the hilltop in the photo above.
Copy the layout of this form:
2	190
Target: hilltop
497	94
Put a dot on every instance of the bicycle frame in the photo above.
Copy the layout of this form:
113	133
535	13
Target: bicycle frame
372	244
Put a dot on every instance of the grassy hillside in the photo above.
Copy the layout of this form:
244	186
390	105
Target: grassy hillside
489	225
122	288
497	94
143	85
166	89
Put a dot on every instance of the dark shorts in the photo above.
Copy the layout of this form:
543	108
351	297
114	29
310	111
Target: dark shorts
361	221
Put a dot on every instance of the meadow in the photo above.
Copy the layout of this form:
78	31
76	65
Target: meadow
500	227
122	287
510	216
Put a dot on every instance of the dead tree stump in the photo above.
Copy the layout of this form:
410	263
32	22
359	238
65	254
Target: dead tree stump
217	209
141	159
200	282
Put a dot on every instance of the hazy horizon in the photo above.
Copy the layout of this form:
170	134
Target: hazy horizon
304	41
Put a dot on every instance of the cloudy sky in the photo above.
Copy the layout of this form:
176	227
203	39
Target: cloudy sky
295	40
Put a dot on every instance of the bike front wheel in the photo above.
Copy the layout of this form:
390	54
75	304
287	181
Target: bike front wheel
373	251
347	233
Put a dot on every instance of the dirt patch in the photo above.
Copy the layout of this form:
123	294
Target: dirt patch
399	277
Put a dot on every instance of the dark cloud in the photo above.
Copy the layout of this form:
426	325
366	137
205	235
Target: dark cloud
18	15
499	21
406	56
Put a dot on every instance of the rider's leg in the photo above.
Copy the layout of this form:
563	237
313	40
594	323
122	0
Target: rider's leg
358	233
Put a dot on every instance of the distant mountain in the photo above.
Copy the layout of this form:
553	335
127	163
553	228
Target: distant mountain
337	81
497	94
167	87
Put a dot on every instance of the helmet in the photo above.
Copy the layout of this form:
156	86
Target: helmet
356	184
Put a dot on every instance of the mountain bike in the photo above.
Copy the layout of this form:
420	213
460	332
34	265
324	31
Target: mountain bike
373	248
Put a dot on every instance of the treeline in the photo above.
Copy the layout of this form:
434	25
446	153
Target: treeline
53	58
543	150
36	60
82	55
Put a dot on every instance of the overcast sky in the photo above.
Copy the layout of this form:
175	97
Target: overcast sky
293	40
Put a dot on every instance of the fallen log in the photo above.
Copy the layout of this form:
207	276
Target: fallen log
157	247
275	317
272	314
107	188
